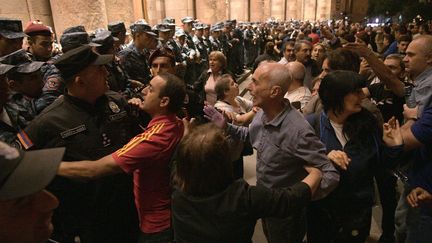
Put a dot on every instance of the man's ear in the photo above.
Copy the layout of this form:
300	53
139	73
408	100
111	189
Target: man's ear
275	91
164	102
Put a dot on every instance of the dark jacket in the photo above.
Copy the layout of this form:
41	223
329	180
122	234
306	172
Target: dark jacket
355	188
230	216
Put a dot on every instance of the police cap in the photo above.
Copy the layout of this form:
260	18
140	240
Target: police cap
11	28
4	68
117	27
186	20
179	33
141	26
163	28
104	38
75	60
22	61
73	29
73	40
169	21
24	173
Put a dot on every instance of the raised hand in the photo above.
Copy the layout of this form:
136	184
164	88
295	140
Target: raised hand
359	49
215	116
392	135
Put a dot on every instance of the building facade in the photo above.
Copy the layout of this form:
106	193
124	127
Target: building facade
61	14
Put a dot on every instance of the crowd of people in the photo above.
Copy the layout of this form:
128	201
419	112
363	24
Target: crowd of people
154	131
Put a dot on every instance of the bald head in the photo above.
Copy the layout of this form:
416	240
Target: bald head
418	56
425	41
297	70
276	74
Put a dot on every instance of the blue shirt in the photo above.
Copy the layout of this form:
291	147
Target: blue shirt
422	91
284	145
421	174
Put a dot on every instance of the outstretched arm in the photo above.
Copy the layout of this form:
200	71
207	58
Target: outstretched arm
381	71
89	170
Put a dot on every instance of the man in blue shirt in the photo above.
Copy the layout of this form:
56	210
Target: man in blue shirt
417	136
285	142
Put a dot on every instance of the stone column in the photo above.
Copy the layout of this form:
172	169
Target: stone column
277	8
156	11
260	10
121	10
323	9
238	9
211	11
66	13
309	9
291	9
178	9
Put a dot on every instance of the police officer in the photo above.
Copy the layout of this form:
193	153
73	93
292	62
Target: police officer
236	57
11	36
202	63
164	33
206	36
214	38
90	122
25	82
134	58
171	43
118	30
8	125
192	70
250	46
186	70
40	42
117	79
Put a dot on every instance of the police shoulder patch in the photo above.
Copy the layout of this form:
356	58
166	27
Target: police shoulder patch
114	107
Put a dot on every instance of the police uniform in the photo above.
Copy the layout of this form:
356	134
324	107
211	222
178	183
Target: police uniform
250	47
117	79
54	85
26	108
188	72
216	45
8	121
101	210
203	50
206	39
192	72
236	57
116	28
134	61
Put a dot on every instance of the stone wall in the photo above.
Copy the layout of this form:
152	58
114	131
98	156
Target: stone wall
27	10
97	13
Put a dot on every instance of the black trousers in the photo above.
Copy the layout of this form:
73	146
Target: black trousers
386	183
286	230
336	225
